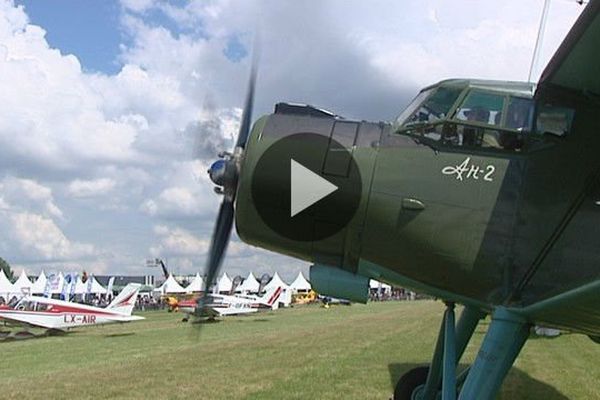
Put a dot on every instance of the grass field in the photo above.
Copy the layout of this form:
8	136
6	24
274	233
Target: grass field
355	352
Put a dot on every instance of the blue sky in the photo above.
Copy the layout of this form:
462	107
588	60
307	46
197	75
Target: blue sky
89	29
92	30
111	119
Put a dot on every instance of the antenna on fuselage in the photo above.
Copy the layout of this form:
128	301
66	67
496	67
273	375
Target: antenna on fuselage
539	40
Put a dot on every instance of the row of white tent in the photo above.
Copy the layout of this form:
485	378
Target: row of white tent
24	285
225	285
251	285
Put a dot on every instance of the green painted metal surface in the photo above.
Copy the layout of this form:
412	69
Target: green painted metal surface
499	207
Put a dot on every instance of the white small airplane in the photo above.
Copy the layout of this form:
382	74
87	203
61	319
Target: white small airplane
42	312
219	305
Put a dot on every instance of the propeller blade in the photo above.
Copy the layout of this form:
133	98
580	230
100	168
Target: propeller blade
249	104
222	230
219	242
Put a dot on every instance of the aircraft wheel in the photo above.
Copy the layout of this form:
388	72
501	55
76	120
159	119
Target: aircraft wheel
411	384
23	335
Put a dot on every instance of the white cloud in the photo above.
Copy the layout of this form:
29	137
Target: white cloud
27	194
178	242
91	188
48	104
138	5
39	237
188	194
175	201
27	214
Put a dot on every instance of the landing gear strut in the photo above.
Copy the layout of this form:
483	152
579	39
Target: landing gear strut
505	337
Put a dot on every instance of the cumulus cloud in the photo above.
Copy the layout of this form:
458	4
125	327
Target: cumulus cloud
48	103
27	194
174	201
178	242
91	188
28	215
187	193
40	237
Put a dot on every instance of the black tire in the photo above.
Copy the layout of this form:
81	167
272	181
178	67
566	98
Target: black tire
409	382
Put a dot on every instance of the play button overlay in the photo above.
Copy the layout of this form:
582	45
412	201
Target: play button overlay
306	187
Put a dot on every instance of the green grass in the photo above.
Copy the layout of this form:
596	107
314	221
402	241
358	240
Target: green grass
355	352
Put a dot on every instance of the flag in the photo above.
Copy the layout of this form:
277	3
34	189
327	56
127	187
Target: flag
73	285
65	287
109	289
51	284
89	287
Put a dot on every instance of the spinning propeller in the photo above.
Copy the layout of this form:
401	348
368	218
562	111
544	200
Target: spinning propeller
225	173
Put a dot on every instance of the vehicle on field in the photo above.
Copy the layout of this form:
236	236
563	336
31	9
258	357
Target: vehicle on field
219	305
60	315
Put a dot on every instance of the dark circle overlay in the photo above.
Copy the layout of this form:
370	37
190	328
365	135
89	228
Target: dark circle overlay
271	186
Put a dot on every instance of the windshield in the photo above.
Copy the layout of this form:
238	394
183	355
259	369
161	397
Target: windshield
429	106
488	107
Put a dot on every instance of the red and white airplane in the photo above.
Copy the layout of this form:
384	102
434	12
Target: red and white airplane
54	314
219	305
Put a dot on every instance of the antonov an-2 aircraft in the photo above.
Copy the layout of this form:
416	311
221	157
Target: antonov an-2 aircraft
482	193
52	314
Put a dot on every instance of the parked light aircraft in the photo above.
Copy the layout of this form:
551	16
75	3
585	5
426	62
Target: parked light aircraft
484	193
218	305
52	314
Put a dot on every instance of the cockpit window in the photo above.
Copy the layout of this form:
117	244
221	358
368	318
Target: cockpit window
25	305
488	119
554	120
519	115
410	109
481	107
430	106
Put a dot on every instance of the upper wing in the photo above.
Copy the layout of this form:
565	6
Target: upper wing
576	63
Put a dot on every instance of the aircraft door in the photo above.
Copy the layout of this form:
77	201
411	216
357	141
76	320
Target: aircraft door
432	209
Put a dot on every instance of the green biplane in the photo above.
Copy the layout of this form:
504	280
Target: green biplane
483	193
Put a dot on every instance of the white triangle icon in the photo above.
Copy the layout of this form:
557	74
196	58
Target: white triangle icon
307	187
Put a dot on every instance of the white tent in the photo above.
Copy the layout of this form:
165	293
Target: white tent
373	284
91	282
97	288
23	284
224	284
274	283
39	285
250	285
196	285
6	288
171	286
300	284
80	286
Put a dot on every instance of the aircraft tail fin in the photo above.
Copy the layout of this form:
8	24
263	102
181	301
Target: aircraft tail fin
271	297
125	300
